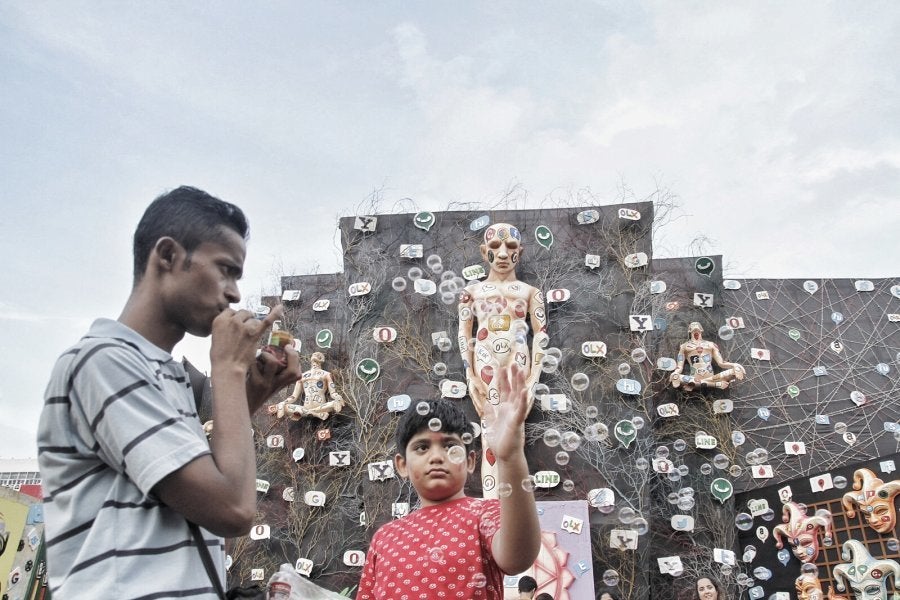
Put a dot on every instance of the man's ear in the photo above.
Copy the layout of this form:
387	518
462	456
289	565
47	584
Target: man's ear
400	465
166	253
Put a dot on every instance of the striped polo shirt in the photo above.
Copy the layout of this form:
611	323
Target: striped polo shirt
118	416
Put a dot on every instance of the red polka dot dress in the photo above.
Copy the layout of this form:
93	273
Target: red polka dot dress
440	551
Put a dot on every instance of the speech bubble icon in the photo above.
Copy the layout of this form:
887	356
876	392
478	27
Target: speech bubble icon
544	236
810	286
895	290
625	432
763	413
837	317
721	489
704	265
784	556
423	220
794	334
298	454
368	370
324	338
480	223
793	391
762	532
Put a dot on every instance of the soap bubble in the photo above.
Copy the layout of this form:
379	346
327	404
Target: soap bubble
626	515
562	458
554	352
686	492
751	458
839	481
736	470
641	463
725	570
893	544
568	485
528	483
488	527
743	521
552	438
738	438
570	441
414	273
624	369
720	461
672	498
638	422
540	389
549	364
580	382
768	515
638	355
680	445
762	455
448	298
674	475
399	284
683	470
439	369
840	427
641	525
591	412
456	454
726	333
706	468
448	276
435	424
444	344
478	580
596	432
883	369
686	503
504	490
423	408
662	452
809	568
611	577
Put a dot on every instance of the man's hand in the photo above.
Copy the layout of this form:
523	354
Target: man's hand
267	375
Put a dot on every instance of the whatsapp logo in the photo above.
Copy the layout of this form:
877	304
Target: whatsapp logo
721	489
544	236
368	370
424	220
324	338
705	266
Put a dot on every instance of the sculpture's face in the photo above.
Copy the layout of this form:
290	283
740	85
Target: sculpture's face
880	513
502	247
809	588
869	590
807	546
695	331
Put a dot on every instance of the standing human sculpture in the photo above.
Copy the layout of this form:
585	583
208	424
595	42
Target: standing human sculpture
495	311
700	355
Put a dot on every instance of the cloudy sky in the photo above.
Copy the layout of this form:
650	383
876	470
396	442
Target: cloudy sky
774	124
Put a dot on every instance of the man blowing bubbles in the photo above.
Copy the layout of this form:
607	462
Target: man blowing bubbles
122	452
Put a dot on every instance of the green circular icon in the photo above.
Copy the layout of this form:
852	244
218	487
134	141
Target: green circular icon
544	236
721	489
794	334
324	338
625	432
368	370
424	220
704	265
793	391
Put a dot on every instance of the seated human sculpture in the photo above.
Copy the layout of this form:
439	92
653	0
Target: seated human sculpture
320	397
700	355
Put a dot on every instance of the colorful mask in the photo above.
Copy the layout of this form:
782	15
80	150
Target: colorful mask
802	531
808	587
874	498
865	576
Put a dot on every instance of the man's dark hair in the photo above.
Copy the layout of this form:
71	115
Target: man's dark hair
453	420
543	596
190	217
527	583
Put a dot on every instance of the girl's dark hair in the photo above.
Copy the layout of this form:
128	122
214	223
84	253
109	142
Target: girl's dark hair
190	217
